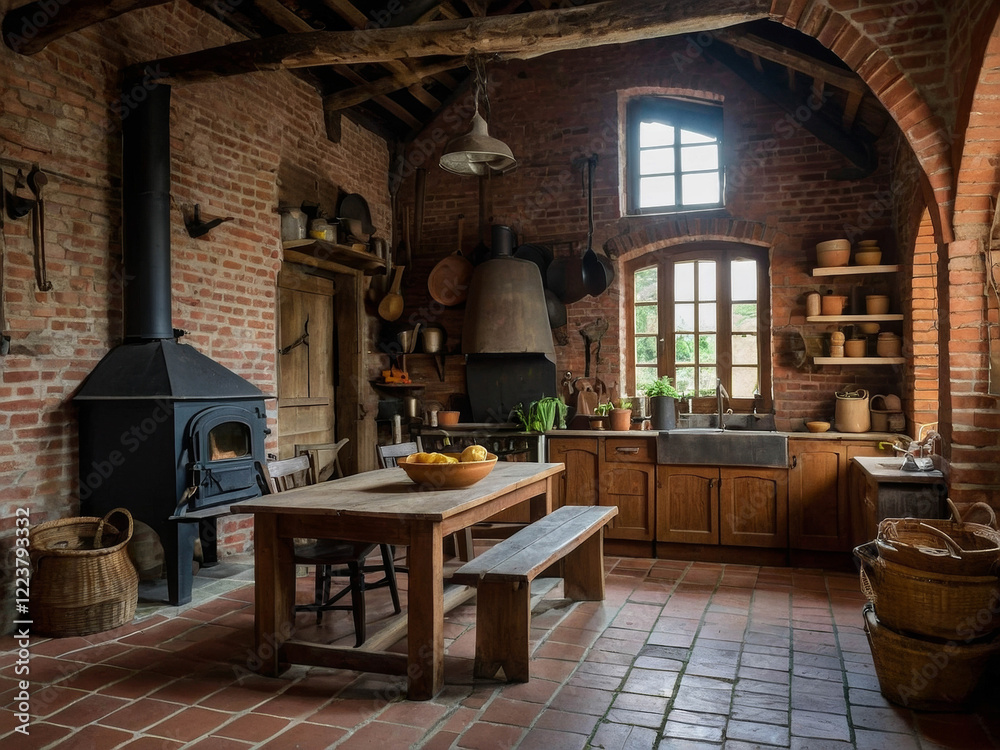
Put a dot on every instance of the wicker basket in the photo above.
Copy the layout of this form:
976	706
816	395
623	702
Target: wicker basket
951	547
82	578
926	675
927	604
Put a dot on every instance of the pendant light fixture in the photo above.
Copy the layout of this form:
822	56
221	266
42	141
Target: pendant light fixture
477	153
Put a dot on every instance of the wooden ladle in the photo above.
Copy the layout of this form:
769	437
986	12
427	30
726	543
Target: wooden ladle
391	306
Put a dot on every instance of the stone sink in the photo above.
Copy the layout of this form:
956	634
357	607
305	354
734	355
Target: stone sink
715	447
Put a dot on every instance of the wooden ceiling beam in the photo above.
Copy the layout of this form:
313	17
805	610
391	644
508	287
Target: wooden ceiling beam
280	15
365	91
523	36
755	45
32	27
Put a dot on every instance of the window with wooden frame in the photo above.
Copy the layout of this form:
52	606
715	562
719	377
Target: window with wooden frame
700	313
674	160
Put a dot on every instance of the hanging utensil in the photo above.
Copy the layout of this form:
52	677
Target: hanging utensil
595	274
36	181
449	280
391	306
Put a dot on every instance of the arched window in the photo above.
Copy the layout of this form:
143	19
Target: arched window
674	155
700	313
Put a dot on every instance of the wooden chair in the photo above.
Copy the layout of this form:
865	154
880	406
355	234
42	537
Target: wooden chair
331	556
325	458
389	455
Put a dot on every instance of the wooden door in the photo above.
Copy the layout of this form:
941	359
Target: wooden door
818	517
687	504
753	507
578	485
306	361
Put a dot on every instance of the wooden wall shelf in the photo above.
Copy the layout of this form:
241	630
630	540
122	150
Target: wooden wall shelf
859	360
853	270
853	318
331	257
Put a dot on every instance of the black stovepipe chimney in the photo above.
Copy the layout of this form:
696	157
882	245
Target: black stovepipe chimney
146	208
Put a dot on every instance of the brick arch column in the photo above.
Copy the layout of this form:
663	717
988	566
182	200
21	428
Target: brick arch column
843	33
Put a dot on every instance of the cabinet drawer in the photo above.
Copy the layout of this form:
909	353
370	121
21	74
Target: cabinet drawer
638	449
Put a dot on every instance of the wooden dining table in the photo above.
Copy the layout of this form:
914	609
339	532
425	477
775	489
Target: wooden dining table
382	506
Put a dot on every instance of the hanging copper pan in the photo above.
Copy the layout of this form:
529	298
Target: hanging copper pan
449	280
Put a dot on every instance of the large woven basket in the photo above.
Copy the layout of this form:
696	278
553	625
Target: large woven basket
927	604
941	546
82	579
926	675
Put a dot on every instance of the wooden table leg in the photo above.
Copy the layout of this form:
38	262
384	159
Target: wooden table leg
541	505
425	602
274	593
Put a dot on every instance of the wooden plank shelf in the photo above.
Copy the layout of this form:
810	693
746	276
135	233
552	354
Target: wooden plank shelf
859	360
853	270
853	318
331	256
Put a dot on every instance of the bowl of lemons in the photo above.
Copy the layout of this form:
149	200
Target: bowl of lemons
447	471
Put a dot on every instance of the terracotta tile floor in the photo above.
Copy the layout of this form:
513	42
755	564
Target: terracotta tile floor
679	655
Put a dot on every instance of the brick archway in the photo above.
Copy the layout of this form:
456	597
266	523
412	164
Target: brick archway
664	233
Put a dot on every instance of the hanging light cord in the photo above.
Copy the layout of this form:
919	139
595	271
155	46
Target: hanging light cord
477	65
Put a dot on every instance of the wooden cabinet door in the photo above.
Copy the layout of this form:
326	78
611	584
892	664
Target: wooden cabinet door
753	507
578	485
632	488
818	515
687	504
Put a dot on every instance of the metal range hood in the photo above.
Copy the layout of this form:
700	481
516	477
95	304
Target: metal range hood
507	340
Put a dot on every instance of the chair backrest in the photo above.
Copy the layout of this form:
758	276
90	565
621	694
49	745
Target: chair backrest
325	458
289	473
389	454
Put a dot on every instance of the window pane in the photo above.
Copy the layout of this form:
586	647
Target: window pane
657	161
645	285
744	382
707	317
684	382
643	377
645	350
655	134
689	136
656	191
700	188
706	280
645	319
707	349
699	158
744	318
684	317
745	350
684	348
684	282
744	274
706	381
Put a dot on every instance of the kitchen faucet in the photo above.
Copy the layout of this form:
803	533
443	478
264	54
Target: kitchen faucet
720	391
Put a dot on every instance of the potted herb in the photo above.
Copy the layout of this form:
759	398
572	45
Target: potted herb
600	416
542	415
621	414
662	405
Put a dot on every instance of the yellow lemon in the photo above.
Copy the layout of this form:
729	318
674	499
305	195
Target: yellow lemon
473	453
450	460
417	458
437	458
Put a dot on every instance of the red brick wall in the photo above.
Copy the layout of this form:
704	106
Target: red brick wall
230	140
553	110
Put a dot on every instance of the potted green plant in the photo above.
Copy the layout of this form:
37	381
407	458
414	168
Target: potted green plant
662	403
621	414
545	414
600	416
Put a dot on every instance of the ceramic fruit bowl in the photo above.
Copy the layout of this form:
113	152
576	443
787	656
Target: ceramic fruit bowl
448	476
833	253
817	426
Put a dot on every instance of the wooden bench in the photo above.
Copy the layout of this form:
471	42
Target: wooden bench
503	578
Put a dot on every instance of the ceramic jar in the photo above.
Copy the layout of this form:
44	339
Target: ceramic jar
889	345
833	304
813	304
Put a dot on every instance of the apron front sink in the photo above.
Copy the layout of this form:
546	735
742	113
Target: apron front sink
714	447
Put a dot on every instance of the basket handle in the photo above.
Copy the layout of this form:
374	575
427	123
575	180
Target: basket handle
952	545
989	512
954	511
105	520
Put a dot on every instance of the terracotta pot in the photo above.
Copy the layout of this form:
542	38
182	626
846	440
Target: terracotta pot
833	304
597	422
621	419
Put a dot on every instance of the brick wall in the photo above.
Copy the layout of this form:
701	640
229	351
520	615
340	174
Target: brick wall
234	144
564	106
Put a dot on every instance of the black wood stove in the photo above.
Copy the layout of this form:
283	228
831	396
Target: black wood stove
165	431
